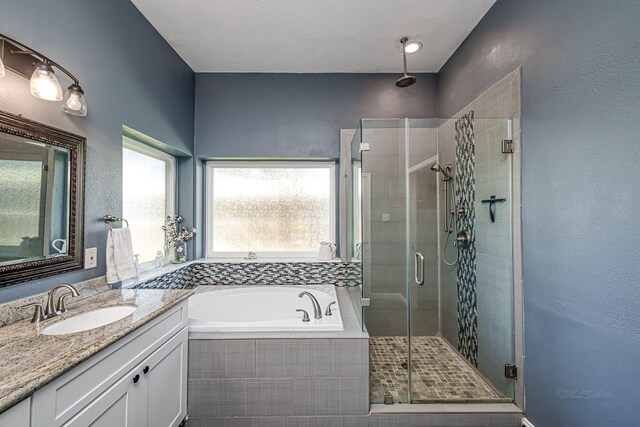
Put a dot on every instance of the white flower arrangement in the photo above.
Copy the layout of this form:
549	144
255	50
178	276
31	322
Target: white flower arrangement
176	236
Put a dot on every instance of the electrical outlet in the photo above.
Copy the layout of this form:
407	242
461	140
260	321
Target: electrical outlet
90	258
386	217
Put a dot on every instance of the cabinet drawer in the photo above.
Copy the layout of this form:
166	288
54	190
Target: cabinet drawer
64	397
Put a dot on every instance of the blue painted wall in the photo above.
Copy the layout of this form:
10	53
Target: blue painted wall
297	115
293	115
130	75
580	109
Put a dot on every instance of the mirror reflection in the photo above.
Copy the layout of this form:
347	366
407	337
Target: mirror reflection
34	199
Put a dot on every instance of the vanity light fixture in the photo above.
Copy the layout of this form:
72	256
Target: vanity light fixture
412	46
43	82
74	101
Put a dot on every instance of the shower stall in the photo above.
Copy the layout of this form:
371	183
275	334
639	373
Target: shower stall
431	226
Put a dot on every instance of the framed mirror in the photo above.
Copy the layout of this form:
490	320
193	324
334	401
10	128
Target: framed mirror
41	200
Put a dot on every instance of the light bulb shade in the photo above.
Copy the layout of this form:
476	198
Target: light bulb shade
412	47
75	102
44	84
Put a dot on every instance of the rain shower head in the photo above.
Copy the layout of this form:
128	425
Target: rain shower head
406	80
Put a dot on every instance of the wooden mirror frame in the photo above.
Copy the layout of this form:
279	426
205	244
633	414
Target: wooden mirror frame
29	270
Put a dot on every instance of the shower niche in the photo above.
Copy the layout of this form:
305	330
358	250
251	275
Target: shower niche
437	262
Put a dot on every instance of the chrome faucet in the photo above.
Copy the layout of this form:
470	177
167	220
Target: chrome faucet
51	309
317	311
60	307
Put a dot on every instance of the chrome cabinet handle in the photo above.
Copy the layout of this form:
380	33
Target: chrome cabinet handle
419	266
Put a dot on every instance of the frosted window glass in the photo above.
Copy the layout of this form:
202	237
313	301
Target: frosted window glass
20	197
144	202
267	209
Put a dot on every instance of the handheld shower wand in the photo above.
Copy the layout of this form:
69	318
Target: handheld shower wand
450	209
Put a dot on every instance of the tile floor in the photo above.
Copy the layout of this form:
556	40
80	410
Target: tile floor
439	372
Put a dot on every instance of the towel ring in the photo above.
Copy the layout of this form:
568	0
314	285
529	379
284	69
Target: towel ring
110	219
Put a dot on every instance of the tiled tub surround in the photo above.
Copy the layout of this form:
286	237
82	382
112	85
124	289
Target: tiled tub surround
279	374
30	360
257	273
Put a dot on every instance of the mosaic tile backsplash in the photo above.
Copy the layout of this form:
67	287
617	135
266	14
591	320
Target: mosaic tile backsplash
272	273
466	273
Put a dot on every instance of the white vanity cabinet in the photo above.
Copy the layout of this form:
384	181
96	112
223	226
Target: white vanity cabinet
18	415
139	381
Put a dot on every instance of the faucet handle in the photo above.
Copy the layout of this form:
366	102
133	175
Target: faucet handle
38	313
305	315
328	312
61	307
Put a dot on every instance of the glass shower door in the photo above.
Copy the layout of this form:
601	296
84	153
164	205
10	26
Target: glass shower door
381	185
432	234
494	252
461	285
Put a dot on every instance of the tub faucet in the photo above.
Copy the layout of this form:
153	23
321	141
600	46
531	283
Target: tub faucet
317	311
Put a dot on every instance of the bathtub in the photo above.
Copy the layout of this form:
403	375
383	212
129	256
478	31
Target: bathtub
262	308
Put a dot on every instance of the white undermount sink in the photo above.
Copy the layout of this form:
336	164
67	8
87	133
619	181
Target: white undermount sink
89	320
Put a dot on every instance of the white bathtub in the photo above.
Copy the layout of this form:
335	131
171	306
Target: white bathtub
262	308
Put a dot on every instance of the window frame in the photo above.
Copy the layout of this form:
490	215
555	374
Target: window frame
170	181
273	164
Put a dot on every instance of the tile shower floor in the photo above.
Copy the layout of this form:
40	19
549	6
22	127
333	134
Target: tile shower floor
439	372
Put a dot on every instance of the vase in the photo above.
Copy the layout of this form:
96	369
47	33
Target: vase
179	253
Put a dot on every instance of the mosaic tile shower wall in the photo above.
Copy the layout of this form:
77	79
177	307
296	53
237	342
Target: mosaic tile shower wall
272	273
466	273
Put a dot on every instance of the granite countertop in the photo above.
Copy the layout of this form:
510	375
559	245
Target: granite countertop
29	360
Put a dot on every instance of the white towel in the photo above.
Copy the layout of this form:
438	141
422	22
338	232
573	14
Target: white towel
120	265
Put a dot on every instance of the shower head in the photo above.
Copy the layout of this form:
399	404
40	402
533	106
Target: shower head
446	171
406	80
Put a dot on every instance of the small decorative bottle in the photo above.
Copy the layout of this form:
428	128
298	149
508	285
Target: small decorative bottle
136	261
159	260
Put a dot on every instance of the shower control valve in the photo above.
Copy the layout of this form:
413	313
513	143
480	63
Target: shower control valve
464	239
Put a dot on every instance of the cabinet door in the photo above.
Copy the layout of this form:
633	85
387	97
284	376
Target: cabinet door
121	405
166	383
18	415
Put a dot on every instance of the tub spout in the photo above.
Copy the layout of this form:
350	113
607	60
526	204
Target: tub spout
316	306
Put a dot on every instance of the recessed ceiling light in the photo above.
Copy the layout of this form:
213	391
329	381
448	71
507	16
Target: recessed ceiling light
413	47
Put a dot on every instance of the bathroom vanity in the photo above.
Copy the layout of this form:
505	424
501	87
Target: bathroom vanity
129	372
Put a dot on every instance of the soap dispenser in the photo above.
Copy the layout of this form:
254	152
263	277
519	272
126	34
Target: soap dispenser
159	260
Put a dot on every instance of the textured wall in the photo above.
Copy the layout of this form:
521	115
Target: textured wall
297	115
294	115
130	75
580	151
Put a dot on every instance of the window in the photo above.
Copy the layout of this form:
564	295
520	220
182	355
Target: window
148	196
278	209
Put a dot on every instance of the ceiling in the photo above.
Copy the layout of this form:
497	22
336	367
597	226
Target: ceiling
312	36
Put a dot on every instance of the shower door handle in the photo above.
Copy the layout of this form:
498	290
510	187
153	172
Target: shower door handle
419	278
